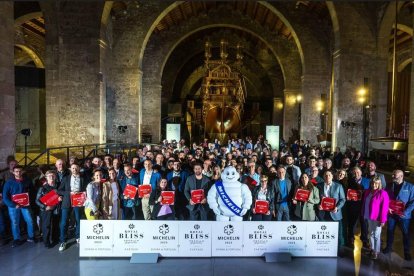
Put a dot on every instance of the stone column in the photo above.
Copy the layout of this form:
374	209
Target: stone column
151	111
7	90
277	115
410	151
290	112
313	86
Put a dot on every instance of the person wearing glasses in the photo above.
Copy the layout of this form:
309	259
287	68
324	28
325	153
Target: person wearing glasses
263	192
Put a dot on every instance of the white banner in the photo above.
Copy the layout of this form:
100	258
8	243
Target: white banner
173	132
272	136
97	238
227	239
195	239
122	238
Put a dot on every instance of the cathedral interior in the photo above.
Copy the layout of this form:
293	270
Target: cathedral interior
78	73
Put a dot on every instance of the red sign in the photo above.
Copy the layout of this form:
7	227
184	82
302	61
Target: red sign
397	207
168	197
78	199
353	195
302	195
134	171
144	190
130	191
328	203
197	196
103	180
50	199
21	199
261	207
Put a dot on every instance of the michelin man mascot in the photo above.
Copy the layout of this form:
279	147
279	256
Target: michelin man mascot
228	198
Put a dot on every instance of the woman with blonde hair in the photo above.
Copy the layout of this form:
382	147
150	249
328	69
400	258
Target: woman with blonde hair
375	204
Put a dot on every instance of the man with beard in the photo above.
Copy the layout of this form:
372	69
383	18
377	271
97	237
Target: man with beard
292	171
372	172
176	182
197	181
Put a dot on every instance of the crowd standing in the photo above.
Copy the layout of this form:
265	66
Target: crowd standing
360	194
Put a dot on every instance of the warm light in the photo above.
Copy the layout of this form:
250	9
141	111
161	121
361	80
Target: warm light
298	98
279	105
361	100
362	92
319	105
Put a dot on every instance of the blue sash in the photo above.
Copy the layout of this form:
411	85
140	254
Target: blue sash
226	199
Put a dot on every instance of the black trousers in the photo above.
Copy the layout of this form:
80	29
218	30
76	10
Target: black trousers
50	226
354	215
261	217
198	213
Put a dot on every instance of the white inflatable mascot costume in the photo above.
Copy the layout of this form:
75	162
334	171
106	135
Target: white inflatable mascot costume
228	198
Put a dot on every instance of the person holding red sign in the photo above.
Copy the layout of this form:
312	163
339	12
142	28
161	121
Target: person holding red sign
70	184
160	211
197	181
332	190
50	219
263	192
402	191
129	205
14	186
305	210
374	210
148	176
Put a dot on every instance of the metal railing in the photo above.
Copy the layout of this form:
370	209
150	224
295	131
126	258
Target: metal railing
84	151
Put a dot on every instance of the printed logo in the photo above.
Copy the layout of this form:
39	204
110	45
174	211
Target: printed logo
164	229
98	228
229	229
196	227
323	227
260	227
292	230
131	226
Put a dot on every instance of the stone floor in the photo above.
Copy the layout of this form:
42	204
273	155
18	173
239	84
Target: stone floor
35	259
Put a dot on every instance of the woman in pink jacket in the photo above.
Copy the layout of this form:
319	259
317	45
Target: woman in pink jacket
375	209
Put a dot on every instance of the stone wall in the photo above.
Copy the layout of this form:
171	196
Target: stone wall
7	90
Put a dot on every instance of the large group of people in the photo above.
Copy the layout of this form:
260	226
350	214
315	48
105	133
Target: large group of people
298	182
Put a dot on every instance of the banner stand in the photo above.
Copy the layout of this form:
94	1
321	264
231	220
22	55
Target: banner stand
144	258
278	257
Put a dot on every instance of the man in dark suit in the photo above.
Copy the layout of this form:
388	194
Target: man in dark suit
197	181
283	194
72	183
334	190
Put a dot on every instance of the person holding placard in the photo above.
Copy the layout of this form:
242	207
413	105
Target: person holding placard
129	202
305	199
16	197
50	219
194	191
72	185
357	184
263	201
401	194
375	205
113	202
163	200
332	201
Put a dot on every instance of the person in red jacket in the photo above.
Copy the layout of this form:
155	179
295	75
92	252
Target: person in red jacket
375	206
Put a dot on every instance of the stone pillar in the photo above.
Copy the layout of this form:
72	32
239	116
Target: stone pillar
347	108
123	104
277	115
73	75
290	112
7	90
410	150
313	86
151	111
